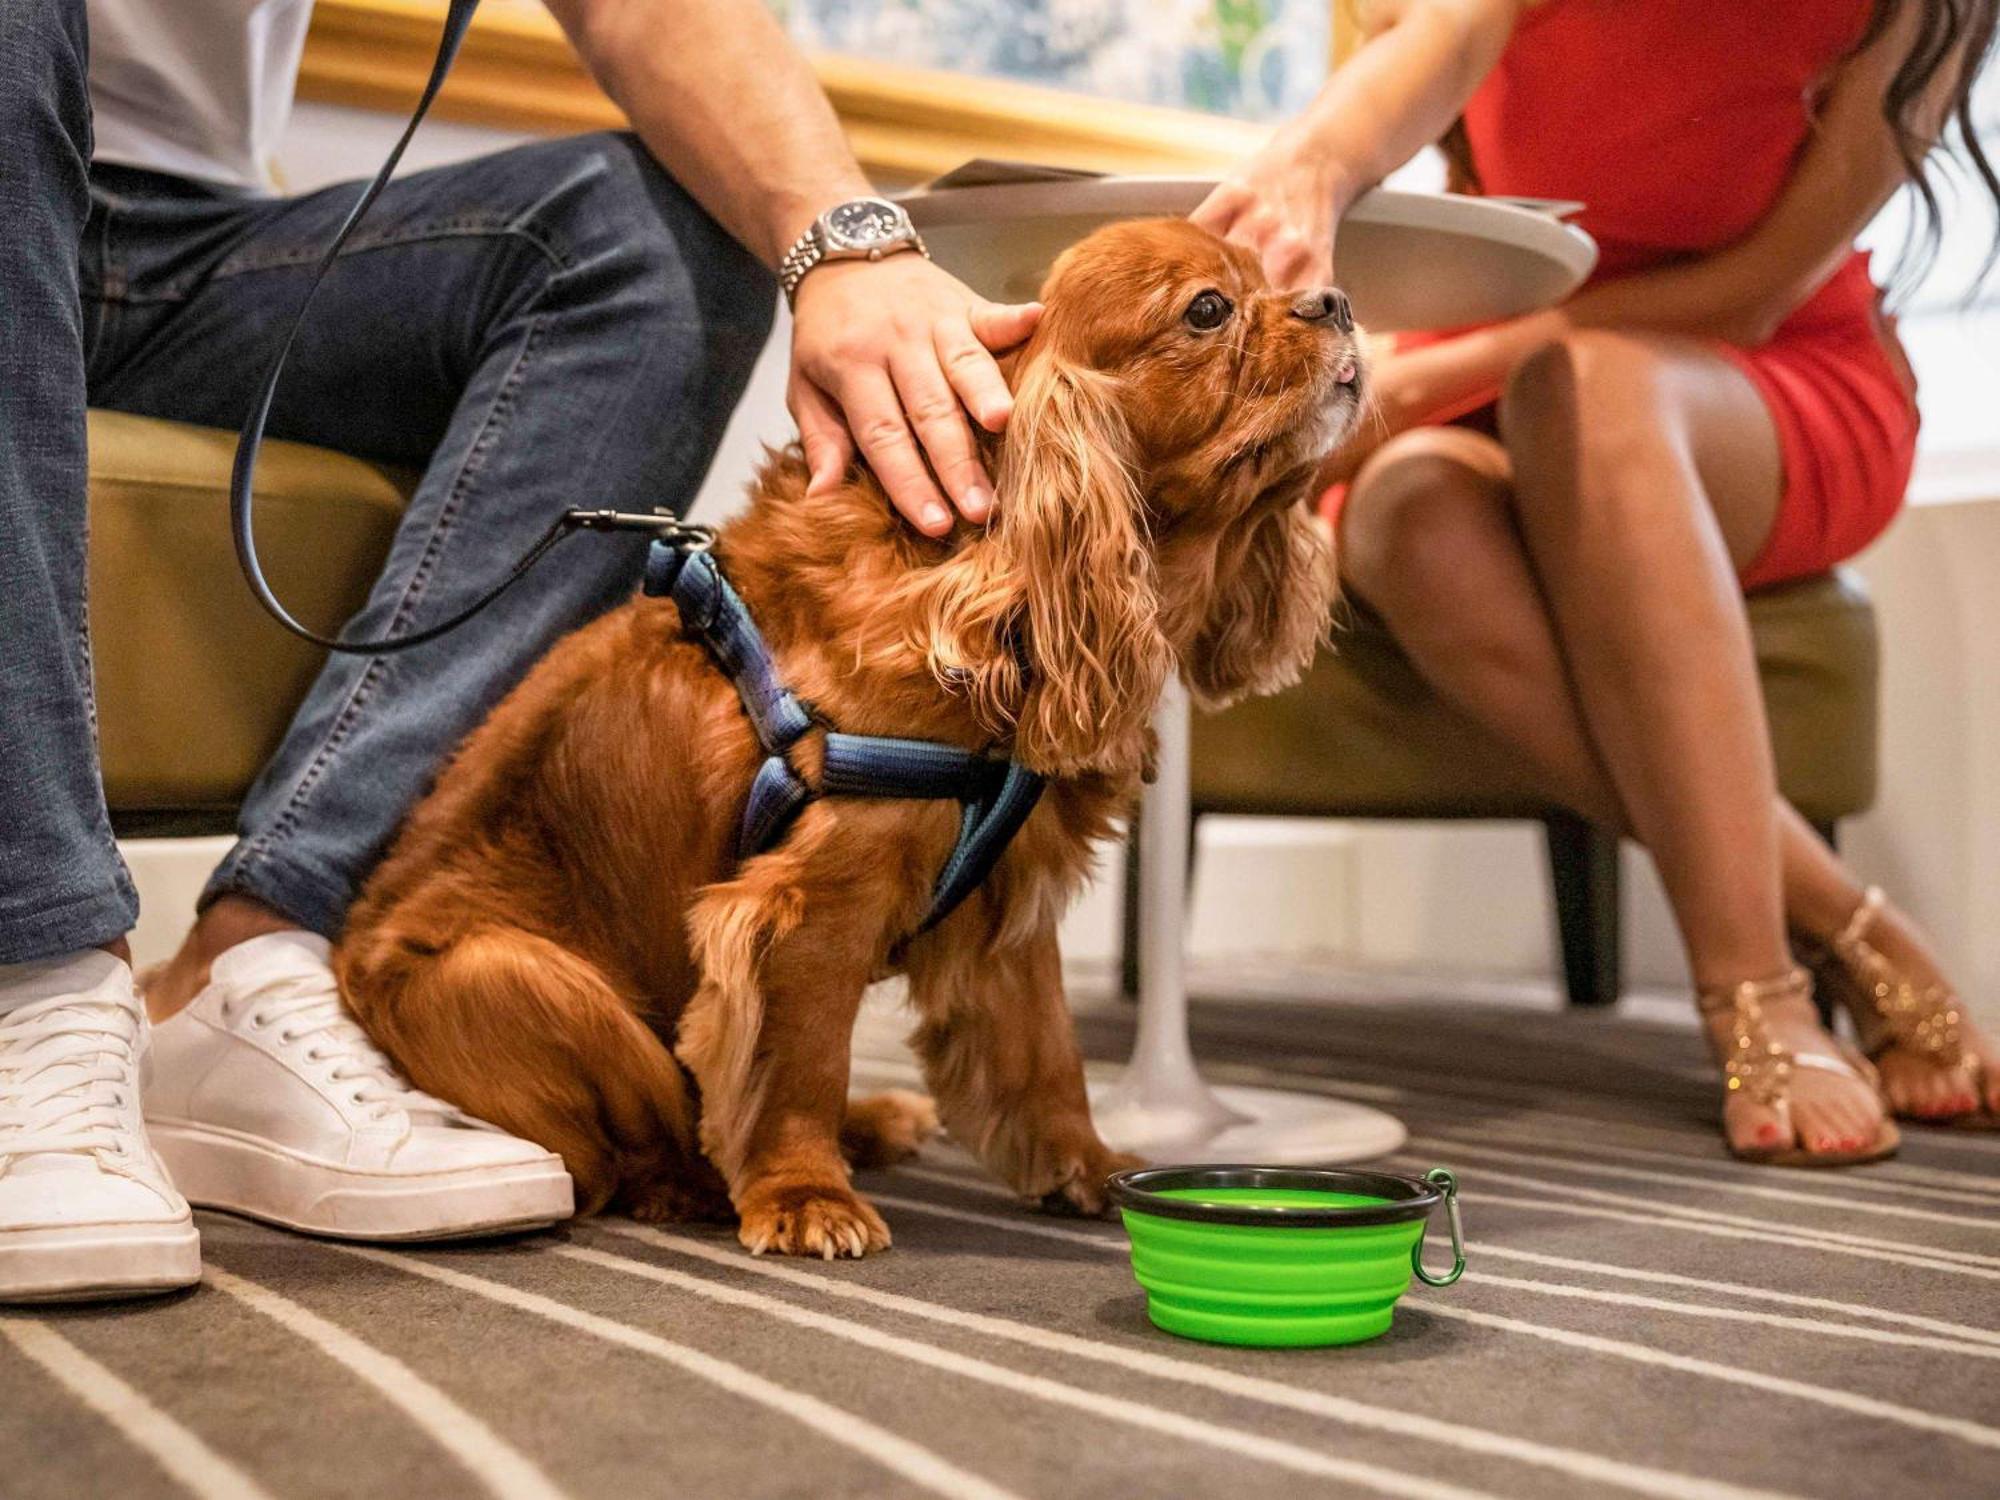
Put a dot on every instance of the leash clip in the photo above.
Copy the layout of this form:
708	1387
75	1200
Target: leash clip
682	536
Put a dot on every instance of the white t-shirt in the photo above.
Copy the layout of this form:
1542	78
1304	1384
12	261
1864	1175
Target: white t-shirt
199	88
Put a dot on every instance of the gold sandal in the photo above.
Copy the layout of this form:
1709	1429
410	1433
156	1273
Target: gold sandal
1892	1012
1757	1066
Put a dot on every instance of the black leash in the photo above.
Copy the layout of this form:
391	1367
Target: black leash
241	524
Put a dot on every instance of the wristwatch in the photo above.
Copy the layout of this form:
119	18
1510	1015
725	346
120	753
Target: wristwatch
859	229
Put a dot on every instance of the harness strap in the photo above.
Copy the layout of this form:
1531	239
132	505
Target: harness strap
996	796
713	610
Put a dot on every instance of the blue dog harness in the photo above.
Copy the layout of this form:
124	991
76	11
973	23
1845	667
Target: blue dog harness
995	796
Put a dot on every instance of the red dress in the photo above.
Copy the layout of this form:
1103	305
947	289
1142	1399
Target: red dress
1677	123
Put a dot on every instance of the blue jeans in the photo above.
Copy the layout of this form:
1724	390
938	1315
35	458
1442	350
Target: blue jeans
555	325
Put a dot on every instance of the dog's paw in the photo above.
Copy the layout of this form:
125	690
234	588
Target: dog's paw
830	1222
1082	1189
887	1128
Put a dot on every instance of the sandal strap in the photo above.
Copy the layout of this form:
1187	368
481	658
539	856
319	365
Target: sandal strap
1855	932
1926	1019
1755	1063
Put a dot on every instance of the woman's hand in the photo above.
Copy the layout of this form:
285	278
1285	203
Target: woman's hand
891	355
1281	205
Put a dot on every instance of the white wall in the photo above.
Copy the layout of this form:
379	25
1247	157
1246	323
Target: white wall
1473	900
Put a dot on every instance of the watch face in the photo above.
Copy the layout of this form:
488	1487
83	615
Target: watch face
864	223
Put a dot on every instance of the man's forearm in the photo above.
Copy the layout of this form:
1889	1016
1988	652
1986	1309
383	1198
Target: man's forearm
721	96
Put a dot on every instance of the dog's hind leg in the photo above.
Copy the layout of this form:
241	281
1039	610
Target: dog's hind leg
524	1033
883	1129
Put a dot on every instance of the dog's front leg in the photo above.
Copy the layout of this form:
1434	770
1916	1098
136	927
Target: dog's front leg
999	1051
767	1036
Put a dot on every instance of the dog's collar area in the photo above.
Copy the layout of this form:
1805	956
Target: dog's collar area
995	796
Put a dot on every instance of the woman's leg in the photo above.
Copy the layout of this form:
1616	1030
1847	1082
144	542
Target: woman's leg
1428	537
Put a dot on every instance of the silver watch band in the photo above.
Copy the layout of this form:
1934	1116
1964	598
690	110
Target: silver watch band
809	250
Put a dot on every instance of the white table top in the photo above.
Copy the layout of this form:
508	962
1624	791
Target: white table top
1408	260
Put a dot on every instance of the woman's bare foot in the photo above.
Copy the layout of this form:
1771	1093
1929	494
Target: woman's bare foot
1935	1064
228	920
1790	1087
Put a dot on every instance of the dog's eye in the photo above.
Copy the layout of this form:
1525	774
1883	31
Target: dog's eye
1210	310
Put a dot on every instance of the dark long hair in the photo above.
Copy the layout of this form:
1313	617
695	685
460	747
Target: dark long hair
1952	36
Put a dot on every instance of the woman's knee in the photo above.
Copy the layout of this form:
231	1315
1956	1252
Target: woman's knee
1589	391
1409	510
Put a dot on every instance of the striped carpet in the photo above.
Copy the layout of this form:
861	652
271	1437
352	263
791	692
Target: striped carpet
1641	1317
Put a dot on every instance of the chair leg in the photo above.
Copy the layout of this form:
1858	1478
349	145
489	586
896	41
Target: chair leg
1128	943
1583	872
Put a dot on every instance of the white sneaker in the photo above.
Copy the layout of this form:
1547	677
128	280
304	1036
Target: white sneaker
86	1210
265	1098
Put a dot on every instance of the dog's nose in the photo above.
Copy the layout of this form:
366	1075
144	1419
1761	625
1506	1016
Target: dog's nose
1327	304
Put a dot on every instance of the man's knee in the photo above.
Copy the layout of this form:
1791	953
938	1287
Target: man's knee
633	236
1406	516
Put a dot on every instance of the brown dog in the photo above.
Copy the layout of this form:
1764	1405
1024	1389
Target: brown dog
562	929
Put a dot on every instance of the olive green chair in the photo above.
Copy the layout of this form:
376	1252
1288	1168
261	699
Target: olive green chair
195	684
1364	737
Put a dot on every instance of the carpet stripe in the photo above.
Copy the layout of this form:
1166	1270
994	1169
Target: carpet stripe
898	1454
1637	1478
198	1468
1962	1332
1968	1431
1734	1176
1739	1315
1976	1433
1846	1205
1786	1239
1965	1262
503	1469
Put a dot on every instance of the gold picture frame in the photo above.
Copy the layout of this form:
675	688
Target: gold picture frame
517	71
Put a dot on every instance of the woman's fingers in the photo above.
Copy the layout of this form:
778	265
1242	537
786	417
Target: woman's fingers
1222	207
1284	232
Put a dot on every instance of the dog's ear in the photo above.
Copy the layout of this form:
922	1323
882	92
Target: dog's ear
1273	592
1050	625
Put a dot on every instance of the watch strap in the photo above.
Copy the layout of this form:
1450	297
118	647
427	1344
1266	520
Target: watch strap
809	250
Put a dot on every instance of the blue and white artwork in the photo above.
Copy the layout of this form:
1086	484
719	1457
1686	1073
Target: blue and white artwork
1257	59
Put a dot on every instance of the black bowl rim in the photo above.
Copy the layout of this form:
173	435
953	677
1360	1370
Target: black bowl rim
1410	1198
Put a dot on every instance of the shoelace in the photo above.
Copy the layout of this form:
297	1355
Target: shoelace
309	1019
66	1076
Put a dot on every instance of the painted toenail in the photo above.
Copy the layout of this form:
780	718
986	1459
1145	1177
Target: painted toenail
1768	1135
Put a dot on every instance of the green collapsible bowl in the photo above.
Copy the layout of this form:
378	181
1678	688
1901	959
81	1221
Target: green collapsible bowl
1277	1255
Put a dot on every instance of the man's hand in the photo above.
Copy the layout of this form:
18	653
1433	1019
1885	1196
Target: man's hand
891	355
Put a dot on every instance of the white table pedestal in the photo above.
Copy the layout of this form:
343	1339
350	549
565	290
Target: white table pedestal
1160	1107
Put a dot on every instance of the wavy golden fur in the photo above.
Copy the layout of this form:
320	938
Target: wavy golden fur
561	940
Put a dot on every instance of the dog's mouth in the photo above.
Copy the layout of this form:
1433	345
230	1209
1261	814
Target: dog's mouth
1338	398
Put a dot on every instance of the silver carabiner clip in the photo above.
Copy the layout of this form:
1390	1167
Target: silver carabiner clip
1439	1177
